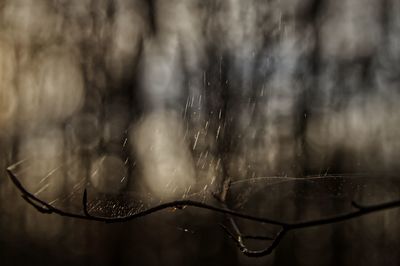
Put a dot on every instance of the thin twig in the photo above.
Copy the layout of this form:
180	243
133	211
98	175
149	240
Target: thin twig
172	204
254	237
361	210
237	236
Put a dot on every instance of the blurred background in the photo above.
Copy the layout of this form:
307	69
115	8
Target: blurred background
148	101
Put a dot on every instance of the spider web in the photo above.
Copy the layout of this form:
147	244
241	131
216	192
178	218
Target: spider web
276	197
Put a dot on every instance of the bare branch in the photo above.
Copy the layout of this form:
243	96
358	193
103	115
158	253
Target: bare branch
357	205
237	237
253	237
172	204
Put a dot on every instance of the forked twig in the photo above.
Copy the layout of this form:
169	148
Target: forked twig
361	210
237	236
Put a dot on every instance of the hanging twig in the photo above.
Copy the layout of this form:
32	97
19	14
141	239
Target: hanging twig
237	236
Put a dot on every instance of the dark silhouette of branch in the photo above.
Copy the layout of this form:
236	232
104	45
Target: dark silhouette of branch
286	227
237	237
45	207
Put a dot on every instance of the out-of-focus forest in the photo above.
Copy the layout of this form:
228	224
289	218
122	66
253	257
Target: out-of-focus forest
295	101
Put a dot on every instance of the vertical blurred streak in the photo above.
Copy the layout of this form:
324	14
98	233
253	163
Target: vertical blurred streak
8	108
241	40
174	51
342	27
172	58
162	79
8	96
128	27
164	159
393	44
50	87
152	11
244	39
30	23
